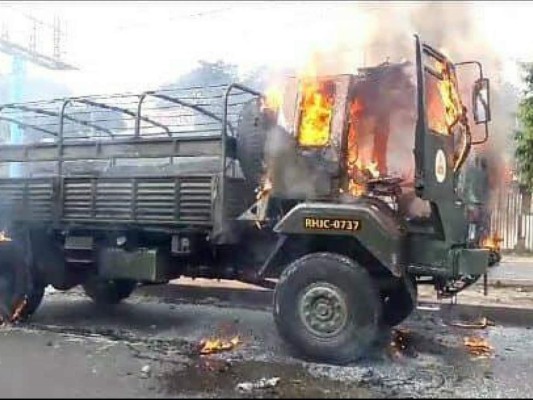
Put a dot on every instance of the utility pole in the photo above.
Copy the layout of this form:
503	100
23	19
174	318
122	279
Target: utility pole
20	56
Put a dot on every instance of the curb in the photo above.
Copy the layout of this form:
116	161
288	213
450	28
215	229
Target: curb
262	300
510	316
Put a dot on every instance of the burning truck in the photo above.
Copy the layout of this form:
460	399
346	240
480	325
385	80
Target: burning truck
296	191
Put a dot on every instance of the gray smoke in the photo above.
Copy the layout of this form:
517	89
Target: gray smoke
448	26
451	27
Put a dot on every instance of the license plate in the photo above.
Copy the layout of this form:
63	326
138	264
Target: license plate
334	224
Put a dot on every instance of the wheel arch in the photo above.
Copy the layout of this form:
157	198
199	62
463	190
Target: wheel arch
376	243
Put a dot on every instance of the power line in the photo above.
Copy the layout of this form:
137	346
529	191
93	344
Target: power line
172	19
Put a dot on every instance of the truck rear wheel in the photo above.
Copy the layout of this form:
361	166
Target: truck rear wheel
108	291
20	292
327	308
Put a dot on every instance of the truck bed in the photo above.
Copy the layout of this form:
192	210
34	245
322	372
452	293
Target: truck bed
112	143
152	200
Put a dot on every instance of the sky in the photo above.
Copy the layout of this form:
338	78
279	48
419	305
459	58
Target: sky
134	46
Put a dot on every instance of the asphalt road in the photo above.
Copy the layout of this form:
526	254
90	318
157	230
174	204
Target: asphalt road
518	271
73	348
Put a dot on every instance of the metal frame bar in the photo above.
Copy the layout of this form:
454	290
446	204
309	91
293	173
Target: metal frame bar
122	147
174	100
481	77
25	125
122	110
54	114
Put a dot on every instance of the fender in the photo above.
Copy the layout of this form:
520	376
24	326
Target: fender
370	221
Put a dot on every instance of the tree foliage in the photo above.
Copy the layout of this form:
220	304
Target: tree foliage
524	136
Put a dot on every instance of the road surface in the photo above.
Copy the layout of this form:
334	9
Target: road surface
73	348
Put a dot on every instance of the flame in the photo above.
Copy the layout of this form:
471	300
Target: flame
273	98
265	189
492	242
211	346
17	313
4	237
359	172
478	346
316	109
444	103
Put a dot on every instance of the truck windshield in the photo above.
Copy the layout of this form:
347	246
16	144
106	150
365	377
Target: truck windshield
444	107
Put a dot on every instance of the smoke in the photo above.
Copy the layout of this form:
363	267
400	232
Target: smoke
453	28
290	173
368	34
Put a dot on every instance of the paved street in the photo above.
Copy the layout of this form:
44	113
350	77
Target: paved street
73	348
513	269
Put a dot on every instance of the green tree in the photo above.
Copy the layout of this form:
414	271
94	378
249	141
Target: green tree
524	135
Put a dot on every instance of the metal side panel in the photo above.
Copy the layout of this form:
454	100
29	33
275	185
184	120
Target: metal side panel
142	200
27	199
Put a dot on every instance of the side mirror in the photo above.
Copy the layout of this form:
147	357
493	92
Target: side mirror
481	101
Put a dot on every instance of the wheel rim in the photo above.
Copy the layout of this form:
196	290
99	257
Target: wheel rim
323	309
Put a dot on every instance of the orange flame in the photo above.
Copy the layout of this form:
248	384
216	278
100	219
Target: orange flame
273	98
17	313
316	109
264	189
478	346
359	172
444	103
492	242
211	346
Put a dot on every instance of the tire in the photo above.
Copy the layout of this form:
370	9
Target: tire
34	299
399	303
251	139
351	292
104	291
18	284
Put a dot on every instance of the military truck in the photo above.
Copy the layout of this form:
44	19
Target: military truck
222	182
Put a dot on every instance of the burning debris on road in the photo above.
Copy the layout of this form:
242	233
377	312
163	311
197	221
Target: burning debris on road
402	343
478	346
211	346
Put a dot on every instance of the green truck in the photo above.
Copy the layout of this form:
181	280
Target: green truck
225	186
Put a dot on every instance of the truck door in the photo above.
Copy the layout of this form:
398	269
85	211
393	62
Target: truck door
439	138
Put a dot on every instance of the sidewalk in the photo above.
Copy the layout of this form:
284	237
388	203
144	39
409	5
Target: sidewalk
512	271
511	258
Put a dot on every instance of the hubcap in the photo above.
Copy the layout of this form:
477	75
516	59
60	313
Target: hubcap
323	309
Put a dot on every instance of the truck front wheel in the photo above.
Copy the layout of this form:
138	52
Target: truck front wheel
108	291
327	307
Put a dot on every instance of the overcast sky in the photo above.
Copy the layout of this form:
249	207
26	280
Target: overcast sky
122	46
